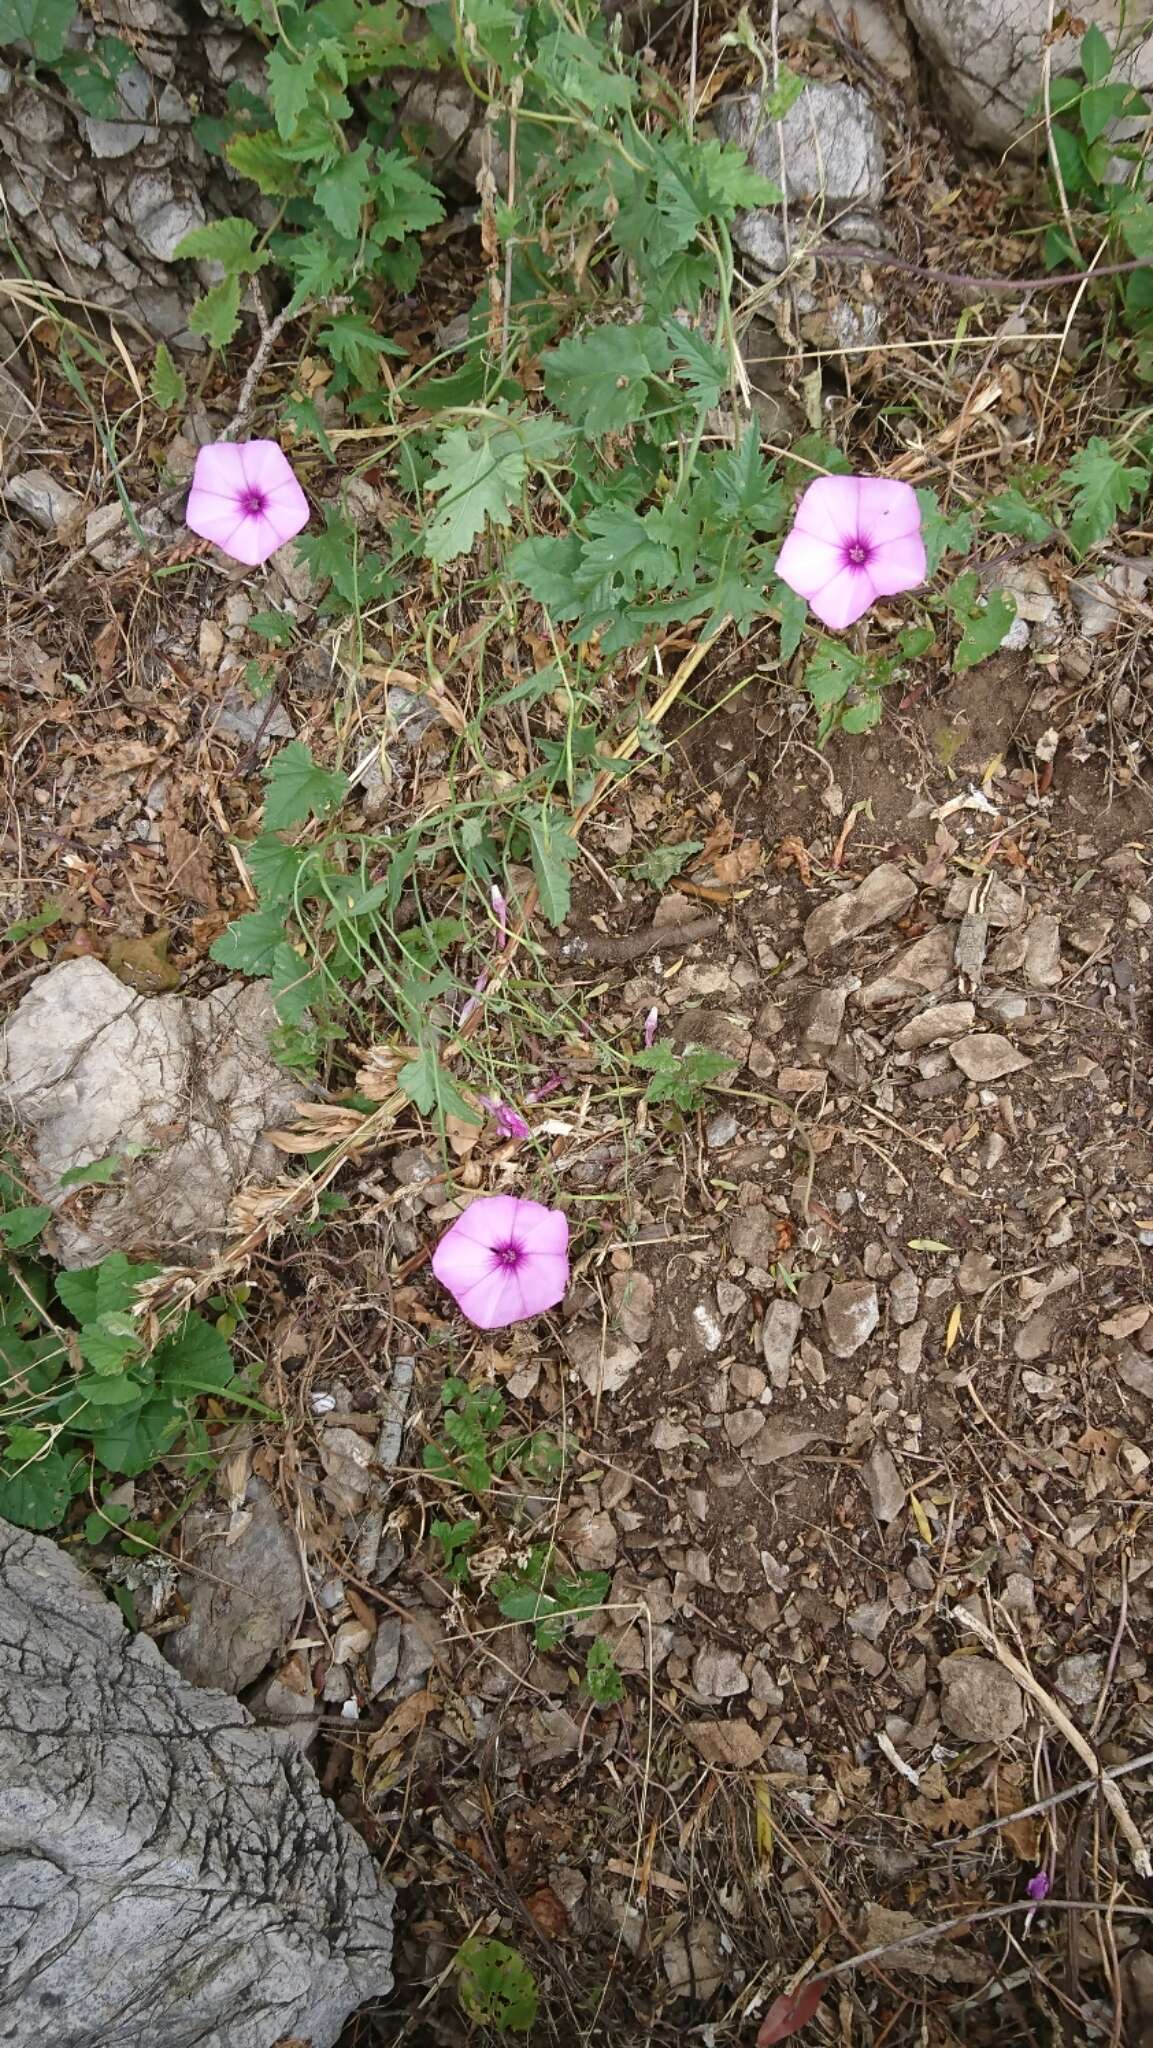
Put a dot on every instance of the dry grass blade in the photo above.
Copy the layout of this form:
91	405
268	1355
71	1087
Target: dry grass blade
1110	1791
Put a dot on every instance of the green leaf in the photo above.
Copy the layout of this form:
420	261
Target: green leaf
228	242
97	1175
785	94
984	622
746	488
217	314
195	1360
261	156
603	1681
1096	56
663	862
1134	216
297	788
1010	512
275	627
42	24
554	850
431	1088
133	1443
167	385
600	379
35	1494
91	76
479	477
297	989
275	867
548	567
1102	104
250	944
833	671
792	612
496	1986
1104	487
342	192
1071	160
20	1227
353	341
403	200
291	84
942	532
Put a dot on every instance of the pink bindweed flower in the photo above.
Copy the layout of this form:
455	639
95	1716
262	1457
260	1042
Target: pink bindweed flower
245	497
500	912
547	1087
504	1260
509	1122
1038	1886
855	538
651	1022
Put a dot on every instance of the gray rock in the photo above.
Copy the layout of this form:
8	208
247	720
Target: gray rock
731	1299
244	1597
603	1366
980	1702
136	1904
1043	953
38	494
1034	1339
936	1026
827	148
707	1327
977	1272
721	1130
779	1333
823	1022
851	1315
1002	908
985	1056
633	1298
88	1067
868	1620
717	1673
1135	1371
385	1657
1080	1678
910	1345
1101	601
882	895
753	1235
985	56
924	968
904	1297
883	1484
256	723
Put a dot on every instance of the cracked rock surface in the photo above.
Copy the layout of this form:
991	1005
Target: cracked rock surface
90	1068
171	1876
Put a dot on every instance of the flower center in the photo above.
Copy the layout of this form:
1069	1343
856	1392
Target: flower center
857	552
507	1255
252	502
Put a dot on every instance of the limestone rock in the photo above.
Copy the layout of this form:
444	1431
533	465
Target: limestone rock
985	56
882	895
90	1068
170	1872
244	1597
779	1335
985	1056
851	1315
980	1702
827	148
935	1026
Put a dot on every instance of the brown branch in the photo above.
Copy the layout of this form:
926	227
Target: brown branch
877	259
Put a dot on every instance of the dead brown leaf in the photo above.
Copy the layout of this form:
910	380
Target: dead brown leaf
733	1745
143	963
548	1912
189	865
317	1124
411	1713
744	861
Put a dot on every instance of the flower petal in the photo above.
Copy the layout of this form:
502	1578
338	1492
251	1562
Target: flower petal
490	1220
494	1300
266	466
256	538
888	510
541	1230
844	599
460	1262
898	564
807	564
829	509
216	519
220	469
543	1281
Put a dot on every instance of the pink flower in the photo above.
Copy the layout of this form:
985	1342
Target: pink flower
651	1022
500	912
509	1122
855	538
504	1260
1038	1886
245	497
